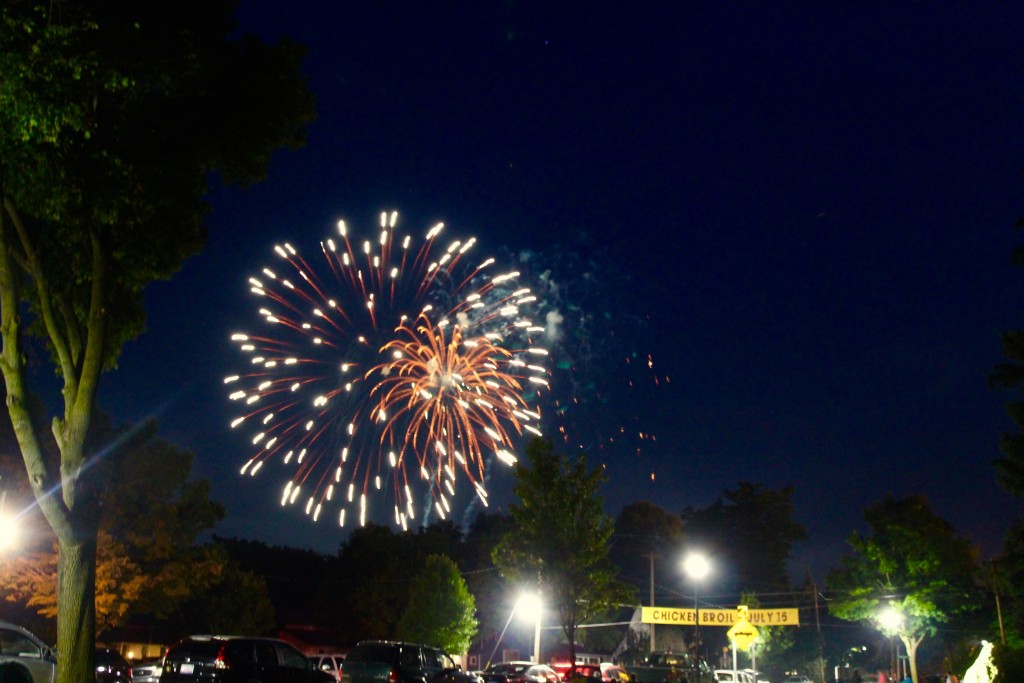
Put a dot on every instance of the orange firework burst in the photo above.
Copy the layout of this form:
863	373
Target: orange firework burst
449	393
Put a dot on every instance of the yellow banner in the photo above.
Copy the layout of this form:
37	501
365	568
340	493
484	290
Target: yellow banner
668	615
682	616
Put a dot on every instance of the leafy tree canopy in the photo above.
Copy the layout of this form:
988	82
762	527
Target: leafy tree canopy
750	531
1010	375
560	536
643	529
913	563
441	610
113	118
152	514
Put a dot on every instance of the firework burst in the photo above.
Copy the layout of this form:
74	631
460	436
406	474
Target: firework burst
381	367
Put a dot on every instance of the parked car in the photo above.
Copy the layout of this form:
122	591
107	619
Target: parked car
24	657
238	658
730	676
375	661
147	670
111	667
519	672
331	663
606	672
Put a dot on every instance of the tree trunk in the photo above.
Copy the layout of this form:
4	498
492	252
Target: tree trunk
911	644
76	614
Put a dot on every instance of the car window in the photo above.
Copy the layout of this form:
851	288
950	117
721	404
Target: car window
430	658
14	643
241	652
291	657
387	654
410	656
265	654
446	662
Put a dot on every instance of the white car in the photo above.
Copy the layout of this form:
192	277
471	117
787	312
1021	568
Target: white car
147	670
730	676
25	657
744	676
331	663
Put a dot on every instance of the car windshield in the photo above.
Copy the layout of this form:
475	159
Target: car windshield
387	654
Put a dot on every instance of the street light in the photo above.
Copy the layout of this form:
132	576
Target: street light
8	531
530	606
696	566
890	620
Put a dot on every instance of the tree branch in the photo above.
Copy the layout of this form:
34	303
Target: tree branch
13	369
35	270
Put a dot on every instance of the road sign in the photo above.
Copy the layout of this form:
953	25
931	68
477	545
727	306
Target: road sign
743	633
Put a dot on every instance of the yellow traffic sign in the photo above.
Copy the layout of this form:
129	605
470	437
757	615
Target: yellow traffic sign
743	633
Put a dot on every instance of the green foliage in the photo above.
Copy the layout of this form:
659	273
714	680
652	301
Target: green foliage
1010	375
1009	583
231	600
152	514
643	529
751	530
441	610
486	585
559	540
1009	662
111	115
114	116
914	563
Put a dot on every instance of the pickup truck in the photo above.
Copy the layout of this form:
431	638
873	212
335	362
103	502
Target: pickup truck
384	661
671	667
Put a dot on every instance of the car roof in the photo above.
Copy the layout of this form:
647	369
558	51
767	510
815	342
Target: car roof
20	629
208	637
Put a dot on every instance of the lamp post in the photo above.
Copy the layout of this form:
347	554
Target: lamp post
891	620
696	566
532	607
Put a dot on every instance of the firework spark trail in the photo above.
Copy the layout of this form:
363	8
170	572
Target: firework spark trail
381	360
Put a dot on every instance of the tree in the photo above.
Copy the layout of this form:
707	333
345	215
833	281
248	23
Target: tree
484	583
560	538
441	611
751	533
112	116
643	530
1010	473
375	562
231	601
1010	375
151	514
910	575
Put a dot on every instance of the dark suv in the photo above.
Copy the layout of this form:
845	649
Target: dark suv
381	661
236	658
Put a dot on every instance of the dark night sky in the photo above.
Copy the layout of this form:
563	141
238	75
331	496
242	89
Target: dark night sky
805	216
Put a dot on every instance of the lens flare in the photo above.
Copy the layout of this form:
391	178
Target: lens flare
381	368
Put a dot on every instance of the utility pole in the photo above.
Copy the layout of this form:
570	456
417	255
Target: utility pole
999	609
817	622
651	556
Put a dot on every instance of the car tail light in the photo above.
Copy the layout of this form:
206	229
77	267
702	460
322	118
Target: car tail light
393	676
221	662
